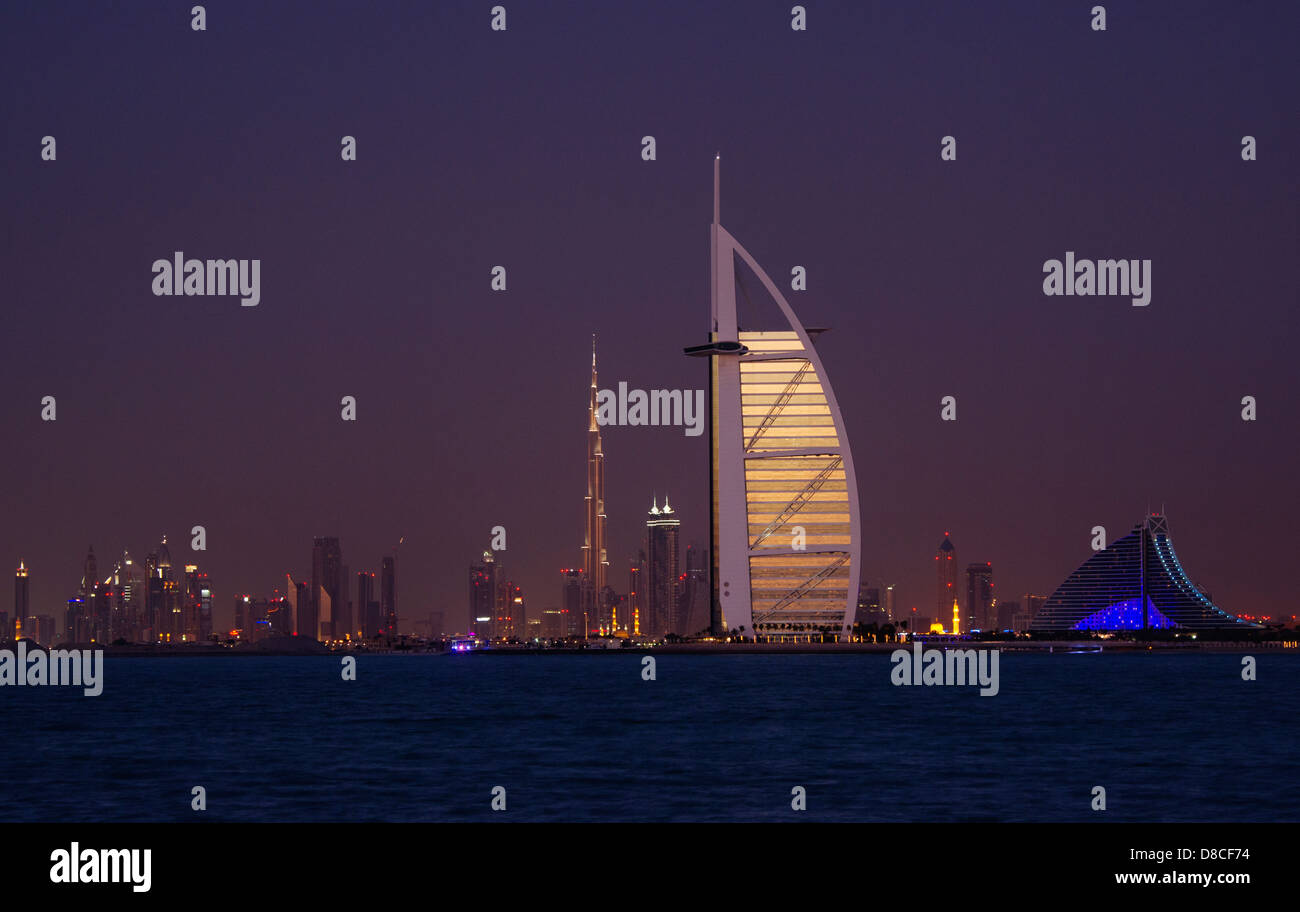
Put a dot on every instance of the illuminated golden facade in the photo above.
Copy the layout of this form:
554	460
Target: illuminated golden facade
796	490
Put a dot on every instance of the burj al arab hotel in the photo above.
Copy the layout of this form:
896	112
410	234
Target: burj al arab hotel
786	531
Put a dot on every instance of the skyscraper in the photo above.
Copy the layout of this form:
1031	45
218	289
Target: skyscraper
509	620
155	605
980	613
76	629
344	623
243	615
945	565
636	596
482	595
661	569
196	598
595	560
785	523
171	610
388	597
572	588
94	611
868	610
129	589
365	594
22	602
305	618
694	597
326	586
554	624
89	575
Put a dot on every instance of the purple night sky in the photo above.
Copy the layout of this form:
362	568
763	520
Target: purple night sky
478	148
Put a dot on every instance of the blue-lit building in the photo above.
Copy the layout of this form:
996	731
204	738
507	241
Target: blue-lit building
1135	584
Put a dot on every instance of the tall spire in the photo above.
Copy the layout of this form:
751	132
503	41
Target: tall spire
594	395
595	558
717	188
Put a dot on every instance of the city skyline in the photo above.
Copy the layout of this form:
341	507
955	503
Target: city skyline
497	605
326	606
1072	412
980	609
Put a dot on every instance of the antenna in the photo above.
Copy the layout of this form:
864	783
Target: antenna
717	192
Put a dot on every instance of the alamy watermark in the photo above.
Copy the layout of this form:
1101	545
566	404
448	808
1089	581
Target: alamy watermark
180	276
681	408
69	667
102	866
953	667
1129	278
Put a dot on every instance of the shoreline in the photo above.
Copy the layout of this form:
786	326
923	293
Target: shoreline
1059	647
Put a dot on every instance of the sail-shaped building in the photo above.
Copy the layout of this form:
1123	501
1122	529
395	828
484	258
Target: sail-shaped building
1137	583
786	532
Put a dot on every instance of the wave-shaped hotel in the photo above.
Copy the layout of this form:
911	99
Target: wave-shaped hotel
1137	583
785	525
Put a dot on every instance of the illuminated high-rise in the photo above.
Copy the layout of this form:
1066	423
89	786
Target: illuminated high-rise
786	533
508	618
662	584
595	560
1137	583
22	601
636	595
482	595
171	608
945	566
196	599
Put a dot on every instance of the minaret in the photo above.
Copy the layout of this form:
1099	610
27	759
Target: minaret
595	560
